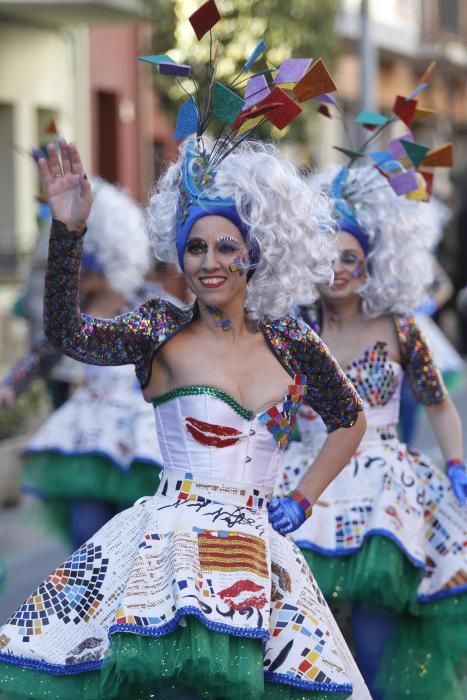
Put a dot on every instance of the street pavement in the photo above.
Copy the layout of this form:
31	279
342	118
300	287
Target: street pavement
30	553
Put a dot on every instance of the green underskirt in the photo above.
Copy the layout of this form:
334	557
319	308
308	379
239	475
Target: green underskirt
215	665
427	654
380	574
89	477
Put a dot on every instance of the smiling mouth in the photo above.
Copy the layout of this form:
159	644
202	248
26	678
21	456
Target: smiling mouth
212	282
339	283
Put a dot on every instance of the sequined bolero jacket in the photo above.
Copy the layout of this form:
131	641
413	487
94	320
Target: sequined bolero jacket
136	336
417	362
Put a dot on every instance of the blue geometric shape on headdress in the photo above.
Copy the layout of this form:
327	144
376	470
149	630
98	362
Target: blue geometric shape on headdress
417	90
258	51
380	157
187	119
344	211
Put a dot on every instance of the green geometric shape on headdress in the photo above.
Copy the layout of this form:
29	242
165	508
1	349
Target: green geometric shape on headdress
156	59
371	118
415	151
353	155
227	105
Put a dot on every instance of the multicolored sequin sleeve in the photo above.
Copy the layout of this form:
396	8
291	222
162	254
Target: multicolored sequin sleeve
417	360
38	363
329	393
132	338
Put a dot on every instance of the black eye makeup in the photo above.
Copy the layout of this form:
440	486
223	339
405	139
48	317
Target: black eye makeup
226	245
197	246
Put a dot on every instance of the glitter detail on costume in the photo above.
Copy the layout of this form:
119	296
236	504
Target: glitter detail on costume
282	422
37	363
417	360
132	338
328	391
199	390
416	357
373	376
135	337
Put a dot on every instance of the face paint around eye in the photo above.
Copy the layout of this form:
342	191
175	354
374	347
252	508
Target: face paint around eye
197	246
230	239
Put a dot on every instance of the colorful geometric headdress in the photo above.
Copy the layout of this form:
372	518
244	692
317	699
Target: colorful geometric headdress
236	109
404	165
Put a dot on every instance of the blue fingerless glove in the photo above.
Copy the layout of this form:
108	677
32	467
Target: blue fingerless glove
287	513
458	478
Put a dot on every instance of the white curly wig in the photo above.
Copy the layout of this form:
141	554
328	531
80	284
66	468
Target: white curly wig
289	222
401	234
117	238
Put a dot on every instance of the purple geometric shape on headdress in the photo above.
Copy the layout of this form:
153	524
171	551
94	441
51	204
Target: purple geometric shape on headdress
403	183
178	69
256	90
291	70
258	51
187	120
397	149
328	99
156	59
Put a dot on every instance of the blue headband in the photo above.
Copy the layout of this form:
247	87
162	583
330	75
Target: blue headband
344	212
194	203
349	225
198	211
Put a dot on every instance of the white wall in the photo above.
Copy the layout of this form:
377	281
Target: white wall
41	69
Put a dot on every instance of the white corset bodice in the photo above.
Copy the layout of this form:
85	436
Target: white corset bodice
205	431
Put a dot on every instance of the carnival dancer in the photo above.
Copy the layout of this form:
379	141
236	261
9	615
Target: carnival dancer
98	452
193	589
389	532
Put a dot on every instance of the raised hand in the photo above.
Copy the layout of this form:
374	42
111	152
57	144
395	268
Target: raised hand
68	189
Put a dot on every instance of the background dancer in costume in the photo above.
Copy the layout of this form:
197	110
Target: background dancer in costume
98	452
446	357
225	388
389	532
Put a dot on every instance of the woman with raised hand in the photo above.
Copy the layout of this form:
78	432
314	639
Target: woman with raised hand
192	592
